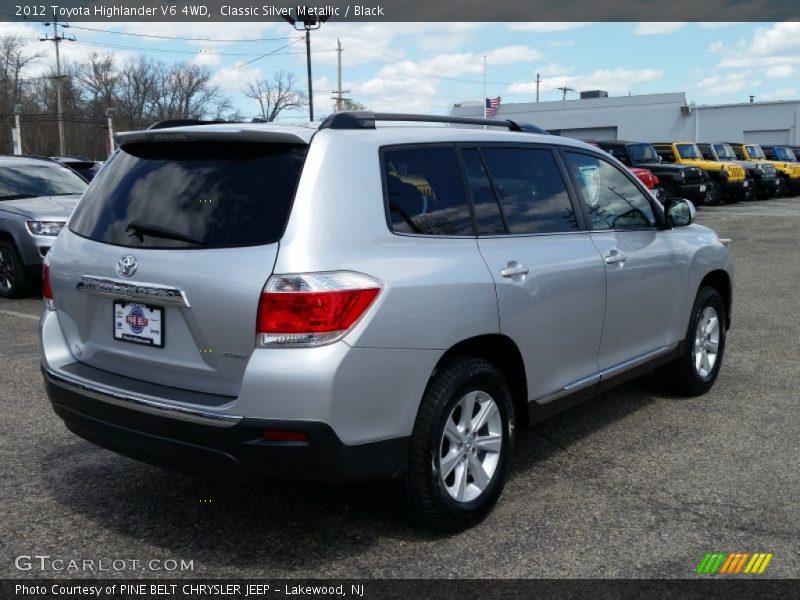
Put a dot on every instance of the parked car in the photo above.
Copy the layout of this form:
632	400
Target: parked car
83	166
788	172
650	181
676	181
646	176
728	179
36	198
396	306
764	180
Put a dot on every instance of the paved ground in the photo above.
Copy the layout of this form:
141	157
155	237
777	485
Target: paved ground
633	484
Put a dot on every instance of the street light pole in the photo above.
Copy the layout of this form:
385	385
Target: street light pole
309	23
110	112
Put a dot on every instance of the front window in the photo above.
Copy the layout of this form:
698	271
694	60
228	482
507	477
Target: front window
755	152
725	152
33	180
784	153
689	151
643	153
612	199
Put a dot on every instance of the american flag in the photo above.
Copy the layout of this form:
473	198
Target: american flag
492	104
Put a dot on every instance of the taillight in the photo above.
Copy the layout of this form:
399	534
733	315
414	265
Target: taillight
656	181
47	289
312	309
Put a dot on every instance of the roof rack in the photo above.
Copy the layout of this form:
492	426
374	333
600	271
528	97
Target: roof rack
366	120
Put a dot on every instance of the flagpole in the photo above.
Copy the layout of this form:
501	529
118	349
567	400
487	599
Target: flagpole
484	89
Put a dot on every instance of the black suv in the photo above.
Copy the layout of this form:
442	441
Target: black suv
676	181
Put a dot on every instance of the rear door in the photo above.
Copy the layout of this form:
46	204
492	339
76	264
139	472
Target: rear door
159	274
549	277
646	269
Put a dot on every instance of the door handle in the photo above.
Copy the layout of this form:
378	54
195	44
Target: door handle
615	257
514	269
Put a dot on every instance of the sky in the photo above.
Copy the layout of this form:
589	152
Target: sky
427	67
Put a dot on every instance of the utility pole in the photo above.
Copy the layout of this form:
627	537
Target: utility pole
339	98
538	81
57	39
565	89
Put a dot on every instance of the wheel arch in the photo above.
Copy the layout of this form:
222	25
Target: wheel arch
503	353
720	280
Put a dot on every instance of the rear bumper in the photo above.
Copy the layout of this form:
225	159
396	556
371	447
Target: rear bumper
234	448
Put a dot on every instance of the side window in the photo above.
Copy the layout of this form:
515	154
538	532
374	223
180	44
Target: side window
488	219
425	191
619	154
530	189
613	200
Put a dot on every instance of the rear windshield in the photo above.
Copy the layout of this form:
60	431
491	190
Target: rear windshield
192	195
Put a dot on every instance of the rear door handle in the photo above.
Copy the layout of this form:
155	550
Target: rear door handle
615	257
514	269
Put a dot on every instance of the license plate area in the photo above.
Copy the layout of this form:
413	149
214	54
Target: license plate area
702	188
138	323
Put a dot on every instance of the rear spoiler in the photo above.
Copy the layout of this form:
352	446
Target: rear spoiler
278	136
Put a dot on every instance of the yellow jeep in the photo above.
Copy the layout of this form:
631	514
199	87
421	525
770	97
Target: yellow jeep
728	180
789	172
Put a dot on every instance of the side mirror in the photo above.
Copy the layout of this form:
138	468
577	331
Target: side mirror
679	212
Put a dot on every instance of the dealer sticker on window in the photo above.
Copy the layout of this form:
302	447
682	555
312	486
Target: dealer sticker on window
139	323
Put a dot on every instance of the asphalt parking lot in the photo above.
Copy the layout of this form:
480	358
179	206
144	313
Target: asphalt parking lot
635	483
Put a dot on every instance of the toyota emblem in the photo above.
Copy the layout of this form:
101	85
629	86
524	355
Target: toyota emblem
127	265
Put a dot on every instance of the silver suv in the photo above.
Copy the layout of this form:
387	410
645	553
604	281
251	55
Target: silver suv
37	196
356	302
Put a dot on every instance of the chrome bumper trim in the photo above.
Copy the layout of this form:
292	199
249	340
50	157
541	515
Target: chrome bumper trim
140	403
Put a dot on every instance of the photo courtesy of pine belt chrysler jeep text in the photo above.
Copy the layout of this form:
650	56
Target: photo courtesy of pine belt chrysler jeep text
350	301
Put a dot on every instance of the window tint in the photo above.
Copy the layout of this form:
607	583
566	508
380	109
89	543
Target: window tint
487	213
613	200
642	153
217	194
531	191
31	180
617	152
426	193
666	153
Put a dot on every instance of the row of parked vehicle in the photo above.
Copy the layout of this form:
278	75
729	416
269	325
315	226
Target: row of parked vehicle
711	173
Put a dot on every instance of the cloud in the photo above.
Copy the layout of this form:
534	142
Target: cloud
617	80
718	85
769	46
658	28
546	27
779	72
715	47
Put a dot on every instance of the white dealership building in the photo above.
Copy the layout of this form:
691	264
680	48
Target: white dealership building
654	117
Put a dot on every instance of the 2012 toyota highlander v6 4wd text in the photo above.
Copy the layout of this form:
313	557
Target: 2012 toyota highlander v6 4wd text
356	302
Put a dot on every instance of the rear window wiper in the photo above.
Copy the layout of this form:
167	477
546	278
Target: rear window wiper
142	229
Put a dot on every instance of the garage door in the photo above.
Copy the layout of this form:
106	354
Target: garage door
767	136
588	133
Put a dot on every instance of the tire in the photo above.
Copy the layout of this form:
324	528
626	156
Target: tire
712	194
430	498
688	374
14	279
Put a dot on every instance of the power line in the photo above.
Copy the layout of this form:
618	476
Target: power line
186	39
250	62
191	52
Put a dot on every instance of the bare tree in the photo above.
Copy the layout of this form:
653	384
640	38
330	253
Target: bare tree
350	105
99	78
276	94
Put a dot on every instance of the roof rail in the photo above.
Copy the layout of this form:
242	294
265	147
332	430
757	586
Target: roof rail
184	123
366	120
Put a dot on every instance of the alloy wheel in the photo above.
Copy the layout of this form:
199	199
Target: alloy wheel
706	341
